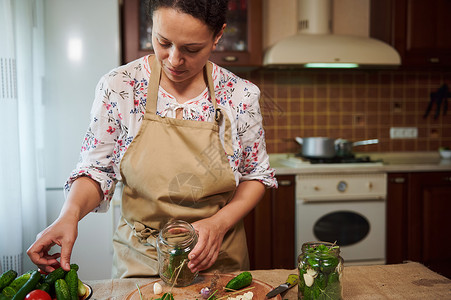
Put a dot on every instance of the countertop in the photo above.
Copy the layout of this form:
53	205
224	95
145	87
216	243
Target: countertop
401	281
389	162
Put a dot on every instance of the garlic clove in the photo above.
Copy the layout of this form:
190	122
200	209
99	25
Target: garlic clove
312	272
157	288
308	279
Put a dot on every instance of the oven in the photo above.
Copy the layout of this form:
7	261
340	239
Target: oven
343	207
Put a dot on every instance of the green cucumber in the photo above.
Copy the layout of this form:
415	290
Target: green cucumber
81	288
74	267
17	283
72	282
58	273
3	297
6	278
28	286
240	281
62	290
44	287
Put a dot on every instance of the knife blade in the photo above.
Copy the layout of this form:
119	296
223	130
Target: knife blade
292	280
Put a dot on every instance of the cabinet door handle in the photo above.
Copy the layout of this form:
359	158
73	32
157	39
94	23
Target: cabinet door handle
434	60
285	182
230	58
446	179
398	180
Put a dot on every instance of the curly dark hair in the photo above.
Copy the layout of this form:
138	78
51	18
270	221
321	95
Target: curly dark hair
211	12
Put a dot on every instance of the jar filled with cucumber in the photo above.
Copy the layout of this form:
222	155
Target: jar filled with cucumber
320	270
175	241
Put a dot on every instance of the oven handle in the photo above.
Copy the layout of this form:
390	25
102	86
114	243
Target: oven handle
347	199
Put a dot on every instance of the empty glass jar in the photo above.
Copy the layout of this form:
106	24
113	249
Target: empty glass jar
175	241
320	270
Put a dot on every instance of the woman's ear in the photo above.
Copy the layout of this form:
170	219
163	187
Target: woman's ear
218	36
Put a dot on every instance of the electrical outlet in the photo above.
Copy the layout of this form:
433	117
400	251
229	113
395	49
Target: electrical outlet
403	132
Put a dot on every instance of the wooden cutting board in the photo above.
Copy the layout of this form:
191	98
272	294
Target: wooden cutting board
192	292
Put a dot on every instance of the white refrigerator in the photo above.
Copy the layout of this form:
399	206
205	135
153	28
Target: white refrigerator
82	42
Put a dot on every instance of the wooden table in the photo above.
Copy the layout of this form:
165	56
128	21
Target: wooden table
402	281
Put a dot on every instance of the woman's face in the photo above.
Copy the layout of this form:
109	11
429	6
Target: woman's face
181	43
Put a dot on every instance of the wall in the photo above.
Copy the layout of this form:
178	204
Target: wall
351	104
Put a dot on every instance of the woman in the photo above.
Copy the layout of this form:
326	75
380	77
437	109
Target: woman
184	136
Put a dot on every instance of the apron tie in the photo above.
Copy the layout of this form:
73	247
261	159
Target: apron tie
172	107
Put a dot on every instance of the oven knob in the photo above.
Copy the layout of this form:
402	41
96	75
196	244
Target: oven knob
342	186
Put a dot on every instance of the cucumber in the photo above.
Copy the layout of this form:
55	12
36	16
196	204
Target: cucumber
81	288
17	283
240	281
28	286
62	290
59	273
72	282
3	297
44	287
56	274
7	278
74	267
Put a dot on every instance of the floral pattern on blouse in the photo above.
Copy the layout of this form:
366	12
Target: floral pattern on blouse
119	107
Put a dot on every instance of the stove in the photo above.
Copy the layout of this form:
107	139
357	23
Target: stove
342	200
338	159
298	161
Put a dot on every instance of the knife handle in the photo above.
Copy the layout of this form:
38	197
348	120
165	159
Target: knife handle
292	279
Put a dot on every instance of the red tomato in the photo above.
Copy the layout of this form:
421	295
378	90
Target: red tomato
38	295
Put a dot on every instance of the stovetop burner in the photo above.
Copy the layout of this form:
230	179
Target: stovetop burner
338	160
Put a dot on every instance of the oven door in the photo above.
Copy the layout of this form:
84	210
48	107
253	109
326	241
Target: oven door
357	226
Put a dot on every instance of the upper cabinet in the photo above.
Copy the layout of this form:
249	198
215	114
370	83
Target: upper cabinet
418	29
241	44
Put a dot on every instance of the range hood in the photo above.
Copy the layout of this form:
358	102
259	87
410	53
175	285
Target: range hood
315	46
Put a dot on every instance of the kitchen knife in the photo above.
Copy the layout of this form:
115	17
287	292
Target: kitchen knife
292	280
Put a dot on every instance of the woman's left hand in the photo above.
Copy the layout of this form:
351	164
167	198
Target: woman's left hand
213	229
206	251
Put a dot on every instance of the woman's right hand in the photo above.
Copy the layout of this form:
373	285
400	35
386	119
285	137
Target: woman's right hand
63	232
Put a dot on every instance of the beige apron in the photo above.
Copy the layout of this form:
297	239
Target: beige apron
174	169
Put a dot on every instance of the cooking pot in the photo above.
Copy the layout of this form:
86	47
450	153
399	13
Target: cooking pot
317	147
343	148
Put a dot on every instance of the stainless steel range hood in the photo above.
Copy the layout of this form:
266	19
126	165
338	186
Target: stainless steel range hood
315	46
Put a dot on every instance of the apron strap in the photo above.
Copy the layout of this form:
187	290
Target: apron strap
218	113
153	87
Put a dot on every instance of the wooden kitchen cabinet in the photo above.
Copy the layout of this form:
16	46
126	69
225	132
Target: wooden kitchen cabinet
241	44
270	228
396	230
418	219
417	29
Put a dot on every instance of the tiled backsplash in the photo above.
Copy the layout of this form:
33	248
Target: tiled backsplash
351	104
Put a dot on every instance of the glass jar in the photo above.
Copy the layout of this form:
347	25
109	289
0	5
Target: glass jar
175	241
320	270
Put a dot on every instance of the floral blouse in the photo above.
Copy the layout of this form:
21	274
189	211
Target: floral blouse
119	107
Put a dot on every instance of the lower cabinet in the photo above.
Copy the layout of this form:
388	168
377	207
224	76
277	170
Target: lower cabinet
270	228
419	219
